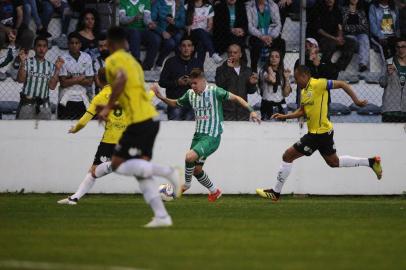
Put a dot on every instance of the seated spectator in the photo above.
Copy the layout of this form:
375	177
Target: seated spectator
274	86
169	16
394	94
100	60
31	11
175	78
76	75
402	16
236	77
49	7
292	8
88	29
199	24
355	26
11	22
384	23
135	16
38	76
326	26
230	25
264	26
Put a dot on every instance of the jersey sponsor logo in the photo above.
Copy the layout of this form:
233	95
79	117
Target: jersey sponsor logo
202	117
39	75
205	107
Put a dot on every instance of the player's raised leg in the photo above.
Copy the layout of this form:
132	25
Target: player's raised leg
374	163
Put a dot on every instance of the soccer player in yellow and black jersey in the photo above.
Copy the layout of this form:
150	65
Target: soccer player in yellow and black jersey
314	105
115	126
133	152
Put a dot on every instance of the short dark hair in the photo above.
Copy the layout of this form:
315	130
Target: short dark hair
302	69
117	34
74	35
102	36
196	73
401	39
187	37
40	38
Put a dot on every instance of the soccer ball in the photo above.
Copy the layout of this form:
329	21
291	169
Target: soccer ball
166	192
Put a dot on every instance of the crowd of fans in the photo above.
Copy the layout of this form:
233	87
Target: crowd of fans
190	29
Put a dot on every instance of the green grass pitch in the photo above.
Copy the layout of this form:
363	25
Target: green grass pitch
237	232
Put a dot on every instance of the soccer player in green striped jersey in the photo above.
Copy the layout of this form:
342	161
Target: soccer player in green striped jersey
207	103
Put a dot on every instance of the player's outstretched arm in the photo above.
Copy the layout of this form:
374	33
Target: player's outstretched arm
348	89
296	114
253	115
170	102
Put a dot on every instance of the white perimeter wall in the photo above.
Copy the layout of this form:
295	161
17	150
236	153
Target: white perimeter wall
42	157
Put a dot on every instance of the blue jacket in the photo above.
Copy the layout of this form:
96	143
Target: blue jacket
375	19
160	10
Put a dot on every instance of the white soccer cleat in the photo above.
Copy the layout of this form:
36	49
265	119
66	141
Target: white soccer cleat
159	222
68	201
177	182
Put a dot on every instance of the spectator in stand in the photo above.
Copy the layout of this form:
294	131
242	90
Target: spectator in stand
75	77
175	78
326	26
88	28
11	22
355	25
199	24
169	16
236	77
100	60
384	23
31	11
38	76
230	25
135	16
274	86
49	7
264	26
402	16
394	84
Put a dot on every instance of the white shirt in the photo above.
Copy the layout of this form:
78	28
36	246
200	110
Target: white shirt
267	89
201	15
72	68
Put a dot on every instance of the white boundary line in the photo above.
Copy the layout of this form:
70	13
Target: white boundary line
58	266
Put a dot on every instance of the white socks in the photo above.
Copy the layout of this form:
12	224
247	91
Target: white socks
283	174
84	187
136	167
151	196
103	169
348	161
163	171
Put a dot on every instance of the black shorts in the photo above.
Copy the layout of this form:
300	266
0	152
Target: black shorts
104	153
310	143
137	140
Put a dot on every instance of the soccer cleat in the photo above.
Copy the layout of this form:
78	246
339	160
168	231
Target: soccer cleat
214	196
184	188
159	222
377	167
69	201
176	181
268	194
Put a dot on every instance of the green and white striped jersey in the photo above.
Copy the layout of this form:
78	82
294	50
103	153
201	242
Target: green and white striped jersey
38	75
208	107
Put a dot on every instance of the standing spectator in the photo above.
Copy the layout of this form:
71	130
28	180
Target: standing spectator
274	85
11	22
199	24
175	78
38	76
384	23
169	16
100	60
355	25
76	75
31	11
230	25
49	7
88	28
235	76
394	94
264	26
402	16
326	26
135	16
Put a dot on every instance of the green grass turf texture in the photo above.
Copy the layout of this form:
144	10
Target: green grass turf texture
237	232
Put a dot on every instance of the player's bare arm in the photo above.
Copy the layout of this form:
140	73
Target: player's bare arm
117	88
168	101
253	115
86	81
296	114
55	77
347	88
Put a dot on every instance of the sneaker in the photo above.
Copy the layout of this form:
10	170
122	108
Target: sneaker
268	194
377	167
159	222
69	201
177	182
217	58
214	196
